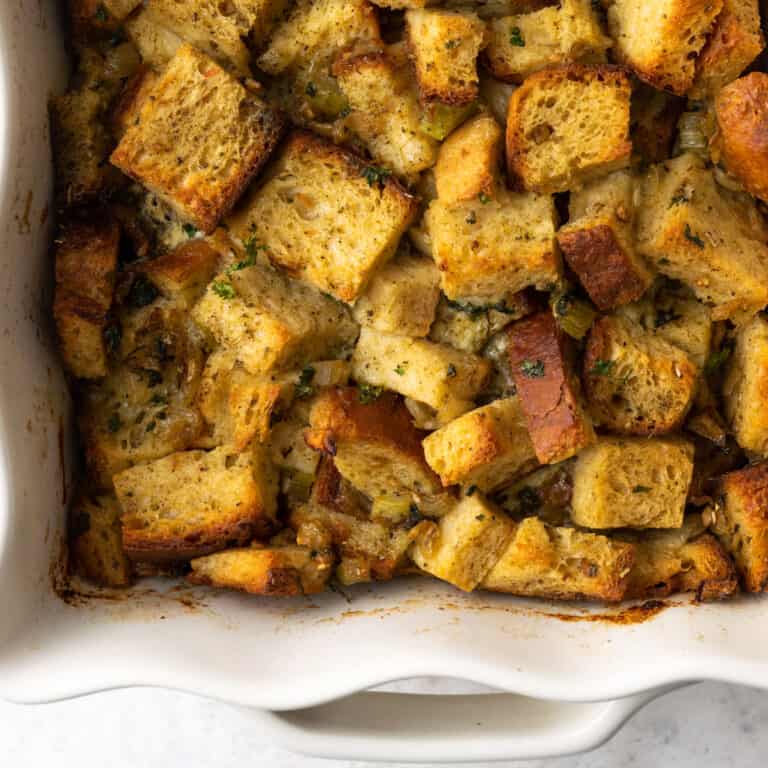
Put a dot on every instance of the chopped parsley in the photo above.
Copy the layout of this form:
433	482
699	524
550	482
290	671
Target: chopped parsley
716	359
114	422
602	367
563	305
190	230
151	426
529	499
664	316
311	90
143	292
471	218
400	368
223	289
369	393
693	237
471	490
112	337
414	517
641	489
102	14
483	198
375	175
451	371
158	399
304	386
664	261
473	310
533	369
679	198
153	378
516	37
454	43
480	517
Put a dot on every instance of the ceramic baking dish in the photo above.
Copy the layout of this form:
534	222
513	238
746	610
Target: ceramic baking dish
291	661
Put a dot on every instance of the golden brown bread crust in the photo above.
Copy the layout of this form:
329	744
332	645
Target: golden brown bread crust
548	391
603	267
742	116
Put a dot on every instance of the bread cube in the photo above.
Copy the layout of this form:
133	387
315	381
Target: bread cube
156	44
734	43
274	571
95	541
742	113
86	263
198	139
561	563
490	247
128	102
271	321
468	163
374	444
636	382
549	391
522	44
662	42
444	46
598	243
706	236
401	298
485	448
744	387
465	544
567	125
442	377
685	560
328	217
741	523
193	503
632	483
385	112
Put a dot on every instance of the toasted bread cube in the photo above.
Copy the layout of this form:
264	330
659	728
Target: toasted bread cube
465	544
735	42
485	448
193	503
328	217
636	382
742	114
745	385
401	298
488	248
198	139
272	321
661	42
156	44
711	239
375	445
567	125
522	44
685	560
442	377
97	18
385	111
563	563
598	243
274	571
444	46
548	390
96	546
741	523
86	263
134	91
654	116
468	163
632	483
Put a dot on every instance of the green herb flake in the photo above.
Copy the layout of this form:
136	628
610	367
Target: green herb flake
114	423
533	369
375	175
454	43
641	489
516	37
311	90
143	292
480	517
414	517
158	399
529	500
716	360
563	305
451	373
693	237
471	218
471	490
369	393
113	334
483	198
190	230
664	261
223	289
679	198
602	367
664	316
304	386
400	368
102	14
151	426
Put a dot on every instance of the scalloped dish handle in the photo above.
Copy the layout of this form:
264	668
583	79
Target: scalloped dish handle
398	727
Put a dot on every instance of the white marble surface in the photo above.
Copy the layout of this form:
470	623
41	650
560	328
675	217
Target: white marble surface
703	726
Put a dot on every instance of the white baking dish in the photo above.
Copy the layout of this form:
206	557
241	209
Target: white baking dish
283	655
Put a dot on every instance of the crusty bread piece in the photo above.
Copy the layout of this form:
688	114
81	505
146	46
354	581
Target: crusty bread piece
734	43
327	216
632	483
525	43
284	571
95	541
272	321
563	563
374	444
89	19
402	297
742	114
385	112
661	42
444	46
548	389
685	560
485	448
86	263
741	522
198	139
442	377
636	382
711	239
193	503
567	125
468	161
465	543
489	247
654	116
156	44
598	243
745	385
